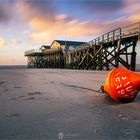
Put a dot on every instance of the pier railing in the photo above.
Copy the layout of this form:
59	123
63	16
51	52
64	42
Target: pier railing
116	34
52	50
31	52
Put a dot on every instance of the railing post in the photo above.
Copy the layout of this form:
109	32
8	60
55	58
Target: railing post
92	43
120	33
108	37
113	35
133	57
118	49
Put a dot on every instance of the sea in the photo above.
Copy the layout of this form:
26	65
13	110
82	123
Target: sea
25	66
12	66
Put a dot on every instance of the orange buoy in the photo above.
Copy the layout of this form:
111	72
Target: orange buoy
122	85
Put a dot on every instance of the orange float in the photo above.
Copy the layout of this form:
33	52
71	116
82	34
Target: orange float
122	85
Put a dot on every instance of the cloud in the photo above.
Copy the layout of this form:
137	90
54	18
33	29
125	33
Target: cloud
2	42
25	32
10	43
36	8
73	29
14	42
6	8
130	13
47	24
45	30
50	25
98	7
132	10
4	14
45	7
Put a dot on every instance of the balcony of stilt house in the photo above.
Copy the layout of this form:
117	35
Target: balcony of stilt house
52	58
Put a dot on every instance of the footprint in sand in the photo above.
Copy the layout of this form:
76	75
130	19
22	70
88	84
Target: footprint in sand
13	114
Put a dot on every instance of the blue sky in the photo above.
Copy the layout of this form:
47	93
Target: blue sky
27	24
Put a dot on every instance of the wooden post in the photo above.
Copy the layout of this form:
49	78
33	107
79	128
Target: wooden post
113	35
133	57
98	40
108	38
117	53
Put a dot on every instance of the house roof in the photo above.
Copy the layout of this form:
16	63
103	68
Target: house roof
69	43
45	46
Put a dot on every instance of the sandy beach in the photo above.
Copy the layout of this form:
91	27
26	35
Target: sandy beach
62	104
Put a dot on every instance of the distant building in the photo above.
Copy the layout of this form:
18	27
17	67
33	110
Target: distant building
54	56
65	45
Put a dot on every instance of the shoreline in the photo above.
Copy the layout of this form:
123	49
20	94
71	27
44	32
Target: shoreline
25	67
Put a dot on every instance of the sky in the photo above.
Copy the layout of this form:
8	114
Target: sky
28	24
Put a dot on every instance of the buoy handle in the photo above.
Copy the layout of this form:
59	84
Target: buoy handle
102	89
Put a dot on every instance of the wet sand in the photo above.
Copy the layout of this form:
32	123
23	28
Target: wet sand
62	104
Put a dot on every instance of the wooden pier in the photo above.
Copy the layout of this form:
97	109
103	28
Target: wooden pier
113	49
